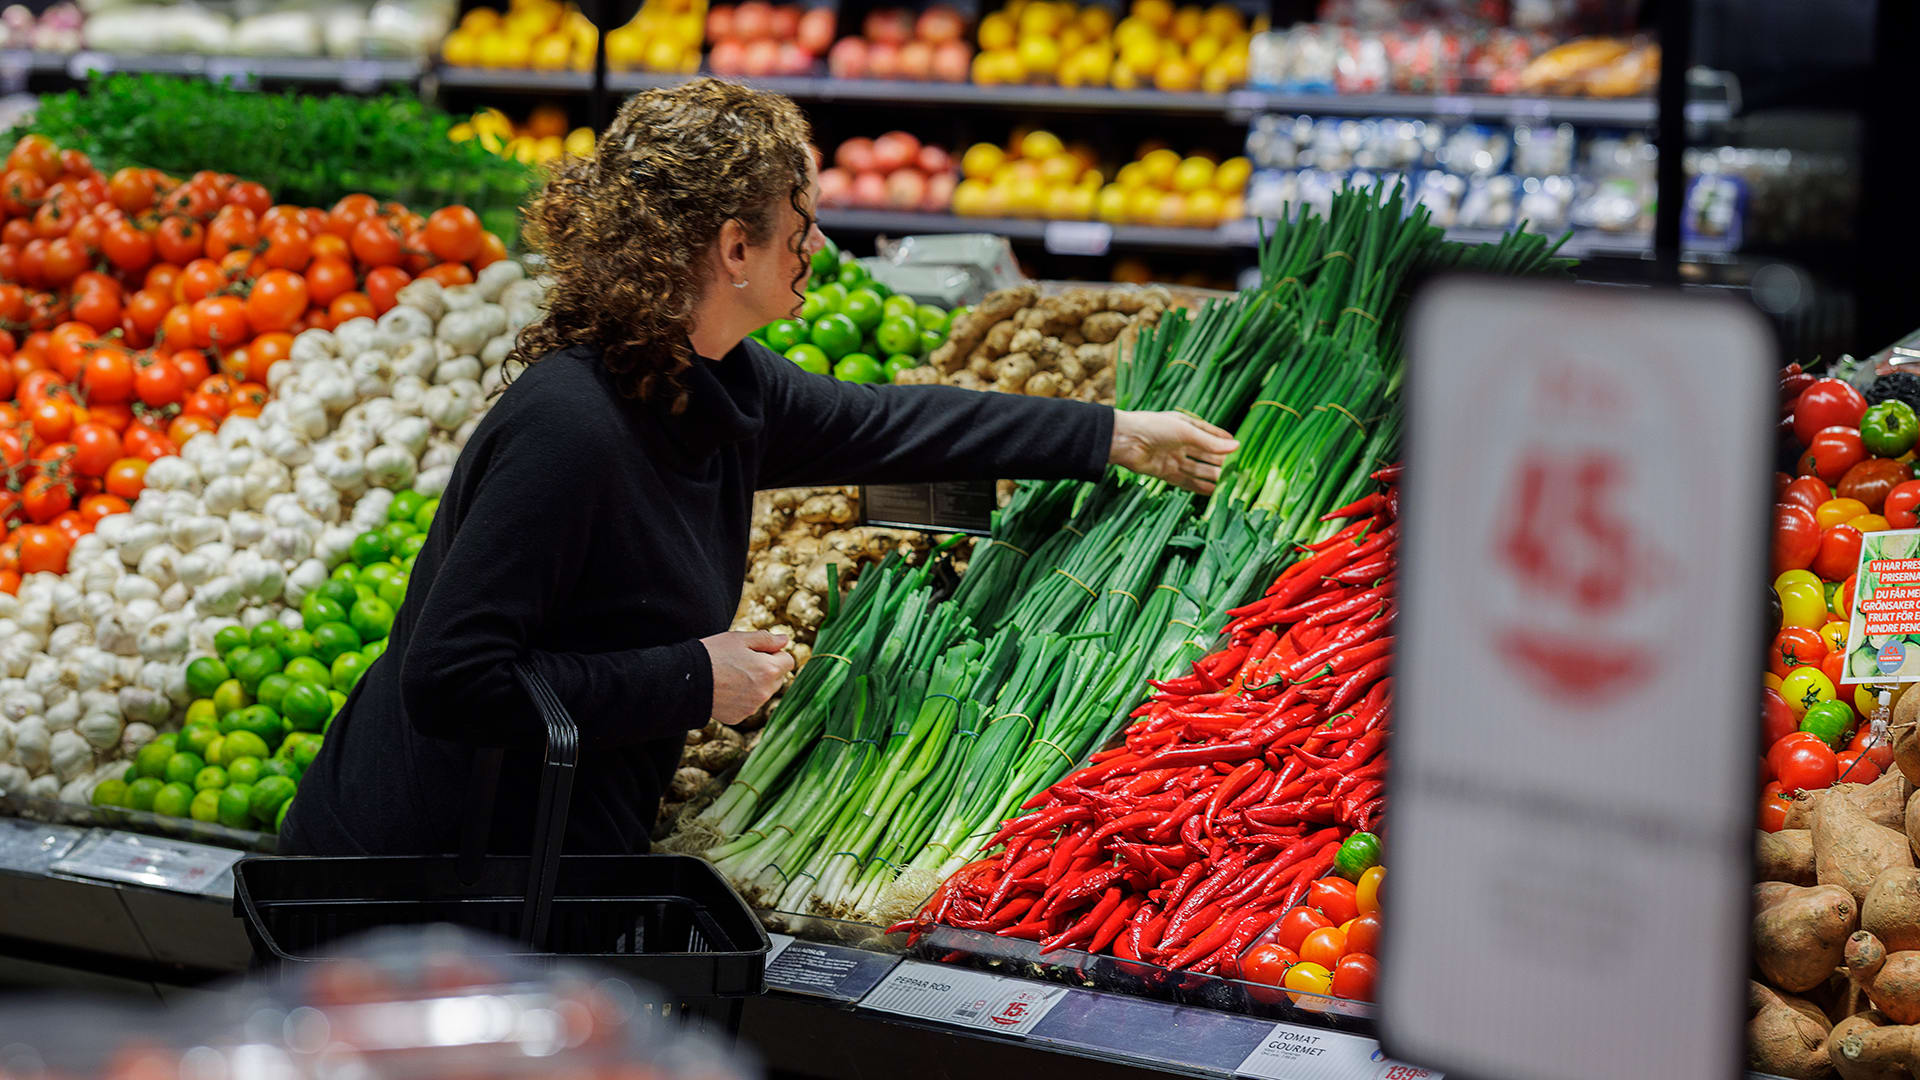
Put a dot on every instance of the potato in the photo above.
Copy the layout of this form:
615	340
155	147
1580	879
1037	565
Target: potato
1784	1040
1850	850
1798	940
1884	801
1891	979
1786	855
1858	1052
1891	909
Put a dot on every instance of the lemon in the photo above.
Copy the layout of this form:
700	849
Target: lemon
1081	200
688	30
1143	203
1140	55
461	48
1040	145
1039	57
1172	210
1204	50
1039	20
1155	13
1133	175
1204	208
1026	198
551	53
579	142
1230	176
480	20
493	121
1159	166
970	197
1130	30
513	51
1059	204
662	54
1095	22
1193	174
1060	170
548	149
996	32
1070	39
1111	204
1092	179
980	161
1123	77
1188	24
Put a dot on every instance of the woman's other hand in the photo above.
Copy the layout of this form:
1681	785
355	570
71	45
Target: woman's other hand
1180	449
747	670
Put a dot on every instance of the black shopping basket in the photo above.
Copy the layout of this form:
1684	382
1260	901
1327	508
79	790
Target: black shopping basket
669	920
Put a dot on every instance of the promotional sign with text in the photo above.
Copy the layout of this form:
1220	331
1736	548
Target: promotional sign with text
1883	636
1585	499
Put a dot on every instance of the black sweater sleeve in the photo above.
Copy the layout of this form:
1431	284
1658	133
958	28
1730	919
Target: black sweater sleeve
824	431
529	513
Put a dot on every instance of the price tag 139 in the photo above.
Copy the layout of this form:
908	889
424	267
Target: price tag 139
969	999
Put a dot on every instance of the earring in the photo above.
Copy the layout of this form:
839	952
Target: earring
739	284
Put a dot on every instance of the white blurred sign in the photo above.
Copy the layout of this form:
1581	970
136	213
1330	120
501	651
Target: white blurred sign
1571	801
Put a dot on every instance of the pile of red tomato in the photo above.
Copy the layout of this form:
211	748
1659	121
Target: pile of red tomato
1813	713
1327	944
138	311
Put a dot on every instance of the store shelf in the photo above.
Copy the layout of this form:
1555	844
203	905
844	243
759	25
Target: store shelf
1593	112
578	82
366	74
945	94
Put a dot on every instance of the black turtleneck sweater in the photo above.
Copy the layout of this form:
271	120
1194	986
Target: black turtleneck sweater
601	538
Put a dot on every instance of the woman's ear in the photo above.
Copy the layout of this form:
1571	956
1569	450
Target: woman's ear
732	245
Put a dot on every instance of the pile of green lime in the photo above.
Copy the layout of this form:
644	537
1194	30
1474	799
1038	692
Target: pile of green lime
848	321
263	703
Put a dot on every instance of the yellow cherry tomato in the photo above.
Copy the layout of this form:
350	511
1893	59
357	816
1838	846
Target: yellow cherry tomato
1834	635
1867	523
1308	979
1837	512
1865	700
1792	577
1366	895
1804	687
1803	604
1771	681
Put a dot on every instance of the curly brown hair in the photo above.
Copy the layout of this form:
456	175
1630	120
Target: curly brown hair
625	231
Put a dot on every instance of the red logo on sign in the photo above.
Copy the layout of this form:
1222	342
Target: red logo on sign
1010	1014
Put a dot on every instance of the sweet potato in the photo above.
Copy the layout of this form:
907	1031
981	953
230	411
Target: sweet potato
1768	893
1891	979
1891	909
1801	937
1853	1052
1906	734
1784	1040
1884	801
1850	850
1786	855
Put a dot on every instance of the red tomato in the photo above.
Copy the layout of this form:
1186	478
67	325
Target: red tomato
1834	667
222	321
1796	539
1825	404
383	287
42	550
108	375
126	477
1793	647
278	298
492	250
159	383
1804	766
328	277
1855	768
1839	553
1776	719
131	190
1334	897
1268	963
179	240
1363	936
1786	743
1902	505
95	507
1324	946
352	305
1845	594
1833	451
96	448
45	498
375	243
1295	925
289	247
1881	754
449	274
1354	977
453	234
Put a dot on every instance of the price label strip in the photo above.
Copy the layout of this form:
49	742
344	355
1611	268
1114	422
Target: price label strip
968	999
1294	1053
30	847
173	865
835	972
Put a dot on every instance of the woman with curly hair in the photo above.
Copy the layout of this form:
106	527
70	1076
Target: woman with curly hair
596	523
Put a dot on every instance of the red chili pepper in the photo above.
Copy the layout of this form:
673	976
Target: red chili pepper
1358	683
1084	927
1010	915
1362	602
1389	474
1117	920
1366	504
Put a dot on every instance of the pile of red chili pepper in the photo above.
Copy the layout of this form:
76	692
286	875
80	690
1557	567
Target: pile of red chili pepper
1234	788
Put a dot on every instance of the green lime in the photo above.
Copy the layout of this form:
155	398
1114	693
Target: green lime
897	307
863	307
263	722
316	611
371	618
140	793
204	674
268	796
373	650
812	306
268	634
304	753
1829	721
348	667
273	688
230	638
245	770
200	713
405	504
853	275
232	657
897	335
280	766
306	706
253	668
928	317
931	340
280	818
173	800
305	669
216	751
236	806
835	335
205	806
110	793
834	295
956	314
171	740
395	533
897	364
298	643
377	575
334	638
784	334
340	590
424	518
410	547
338	699
859	368
344	572
361	592
230	697
243	744
151	759
827	258
182	767
808	357
129	776
213	776
394	591
199	735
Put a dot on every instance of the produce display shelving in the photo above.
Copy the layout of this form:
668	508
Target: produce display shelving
357	75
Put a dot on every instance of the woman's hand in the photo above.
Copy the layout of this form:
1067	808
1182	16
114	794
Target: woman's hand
1175	447
747	670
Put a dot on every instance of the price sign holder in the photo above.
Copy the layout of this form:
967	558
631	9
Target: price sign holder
1585	505
815	969
29	847
958	506
157	863
1297	1053
964	998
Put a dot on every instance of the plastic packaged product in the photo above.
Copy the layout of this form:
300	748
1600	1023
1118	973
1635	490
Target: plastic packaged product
1715	208
1618	204
1499	57
1441	193
1267	56
1313	55
1270	193
1543	149
1490	203
1475	150
1546	202
1273	140
988	259
1425	60
1362	66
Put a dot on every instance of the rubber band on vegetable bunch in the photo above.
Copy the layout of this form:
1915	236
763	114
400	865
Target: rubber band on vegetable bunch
1235	789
